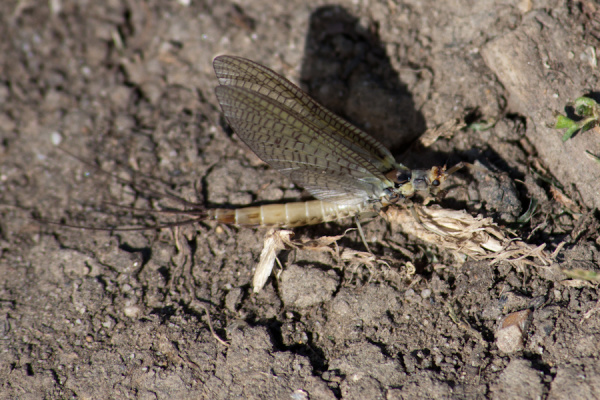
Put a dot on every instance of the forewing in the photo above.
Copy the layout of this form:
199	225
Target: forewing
292	144
246	74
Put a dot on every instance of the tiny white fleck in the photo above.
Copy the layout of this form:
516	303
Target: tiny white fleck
56	138
131	311
55	6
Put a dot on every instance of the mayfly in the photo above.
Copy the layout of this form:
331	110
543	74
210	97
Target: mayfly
345	169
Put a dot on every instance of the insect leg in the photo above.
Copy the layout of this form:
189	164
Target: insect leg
361	233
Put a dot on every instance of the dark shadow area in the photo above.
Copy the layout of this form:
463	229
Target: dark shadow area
164	313
145	253
282	338
346	69
594	95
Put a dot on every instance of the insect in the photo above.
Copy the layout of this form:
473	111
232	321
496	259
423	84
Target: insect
345	169
348	171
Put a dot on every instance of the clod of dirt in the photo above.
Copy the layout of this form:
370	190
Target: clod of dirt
305	287
518	381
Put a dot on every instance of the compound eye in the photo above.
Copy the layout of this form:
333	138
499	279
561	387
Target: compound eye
435	182
395	198
403	177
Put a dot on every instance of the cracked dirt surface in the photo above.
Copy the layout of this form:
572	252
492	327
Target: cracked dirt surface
128	86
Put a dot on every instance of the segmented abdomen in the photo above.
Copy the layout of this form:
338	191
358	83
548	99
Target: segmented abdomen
288	215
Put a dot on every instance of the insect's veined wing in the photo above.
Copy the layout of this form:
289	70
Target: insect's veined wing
243	73
319	151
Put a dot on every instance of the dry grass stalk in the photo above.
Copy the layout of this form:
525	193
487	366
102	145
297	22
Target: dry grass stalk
277	240
462	234
274	242
465	235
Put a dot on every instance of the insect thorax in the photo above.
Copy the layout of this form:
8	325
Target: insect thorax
408	182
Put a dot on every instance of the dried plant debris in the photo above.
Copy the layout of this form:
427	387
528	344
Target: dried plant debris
274	242
446	130
278	240
466	236
455	231
581	277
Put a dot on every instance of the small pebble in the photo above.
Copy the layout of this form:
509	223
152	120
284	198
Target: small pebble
56	138
510	336
131	311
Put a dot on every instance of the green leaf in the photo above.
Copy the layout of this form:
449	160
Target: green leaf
570	132
593	156
563	122
483	125
585	107
578	273
529	213
588	125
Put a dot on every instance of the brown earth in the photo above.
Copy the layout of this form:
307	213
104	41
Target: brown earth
128	86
